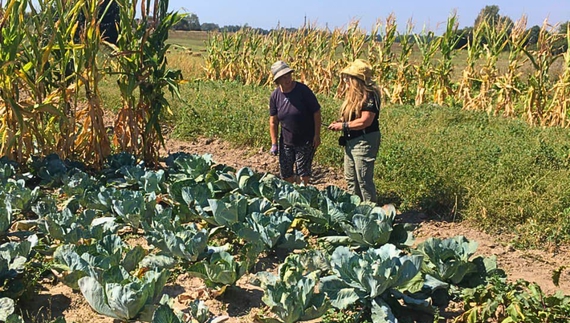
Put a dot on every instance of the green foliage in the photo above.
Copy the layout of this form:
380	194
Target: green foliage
50	170
96	260
220	269
291	294
372	279
120	295
14	258
198	309
448	260
182	241
376	228
69	227
519	301
17	197
500	174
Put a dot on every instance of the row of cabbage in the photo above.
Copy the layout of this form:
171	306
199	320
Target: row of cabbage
214	222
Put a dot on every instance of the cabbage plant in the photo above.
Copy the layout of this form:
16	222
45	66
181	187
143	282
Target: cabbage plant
325	212
182	165
449	259
219	269
75	262
122	296
198	309
7	309
373	226
17	197
291	295
70	227
13	259
371	278
185	241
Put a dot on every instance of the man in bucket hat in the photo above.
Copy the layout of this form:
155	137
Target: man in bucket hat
295	108
360	126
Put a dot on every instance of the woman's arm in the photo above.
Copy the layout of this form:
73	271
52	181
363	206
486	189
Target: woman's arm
365	120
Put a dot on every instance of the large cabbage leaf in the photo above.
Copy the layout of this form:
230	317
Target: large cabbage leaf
122	297
368	275
449	259
291	295
219	269
186	241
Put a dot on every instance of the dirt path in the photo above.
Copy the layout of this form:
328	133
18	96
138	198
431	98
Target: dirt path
241	304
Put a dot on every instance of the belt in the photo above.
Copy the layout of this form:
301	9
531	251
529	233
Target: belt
358	133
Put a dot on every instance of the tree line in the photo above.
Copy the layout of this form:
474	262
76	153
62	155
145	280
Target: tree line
490	13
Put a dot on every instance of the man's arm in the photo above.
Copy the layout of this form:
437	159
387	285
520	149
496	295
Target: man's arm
318	121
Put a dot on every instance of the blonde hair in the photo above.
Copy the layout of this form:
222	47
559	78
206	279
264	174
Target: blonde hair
355	96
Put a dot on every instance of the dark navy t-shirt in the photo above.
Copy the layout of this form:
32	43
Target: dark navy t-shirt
295	111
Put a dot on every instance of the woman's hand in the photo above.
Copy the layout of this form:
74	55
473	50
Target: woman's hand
335	126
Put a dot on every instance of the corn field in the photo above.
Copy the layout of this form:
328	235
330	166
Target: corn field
495	72
53	56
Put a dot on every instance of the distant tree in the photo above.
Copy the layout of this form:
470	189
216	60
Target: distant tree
261	31
563	29
231	28
209	26
465	35
190	22
489	14
533	33
492	16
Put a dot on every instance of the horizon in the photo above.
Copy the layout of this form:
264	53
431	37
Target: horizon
339	14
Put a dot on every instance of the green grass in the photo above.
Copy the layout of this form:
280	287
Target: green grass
501	174
193	40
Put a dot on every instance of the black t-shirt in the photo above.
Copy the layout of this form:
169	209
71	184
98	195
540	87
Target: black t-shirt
372	104
295	111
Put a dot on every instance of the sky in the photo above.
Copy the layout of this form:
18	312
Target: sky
425	14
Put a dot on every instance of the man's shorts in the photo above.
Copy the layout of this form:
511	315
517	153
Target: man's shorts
299	156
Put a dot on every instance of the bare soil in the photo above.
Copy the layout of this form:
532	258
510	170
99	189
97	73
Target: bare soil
242	302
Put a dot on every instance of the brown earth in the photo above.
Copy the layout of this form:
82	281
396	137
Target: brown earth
241	303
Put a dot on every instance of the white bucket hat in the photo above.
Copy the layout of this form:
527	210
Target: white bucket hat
279	69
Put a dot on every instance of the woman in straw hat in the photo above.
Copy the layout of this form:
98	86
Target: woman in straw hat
361	132
296	108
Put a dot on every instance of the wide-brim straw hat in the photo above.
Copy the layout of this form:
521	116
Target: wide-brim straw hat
279	69
360	69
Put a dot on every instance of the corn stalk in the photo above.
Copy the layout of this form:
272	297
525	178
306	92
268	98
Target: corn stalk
495	36
442	83
469	82
509	84
539	84
143	73
560	103
353	42
16	142
92	143
427	45
381	55
404	69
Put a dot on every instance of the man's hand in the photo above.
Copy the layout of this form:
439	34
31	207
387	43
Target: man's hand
316	141
274	150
